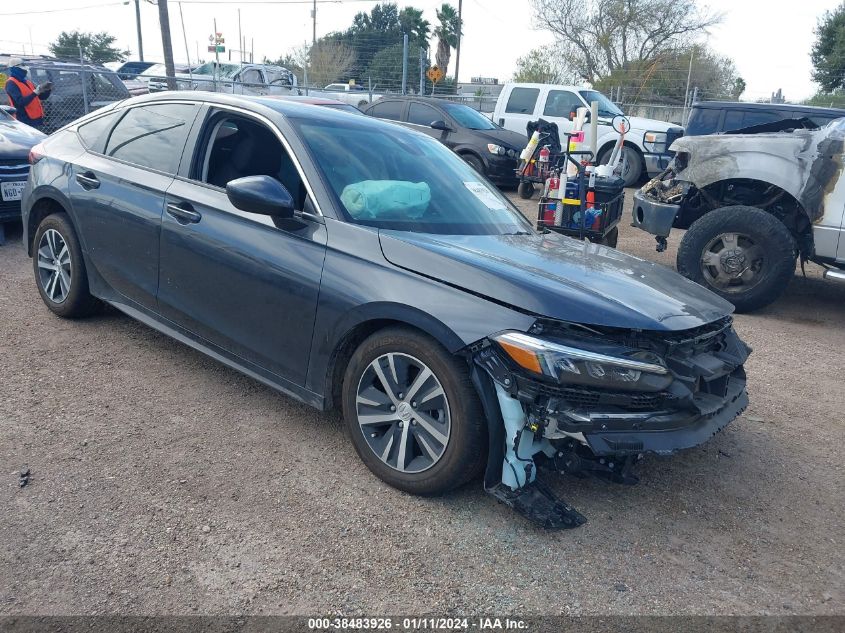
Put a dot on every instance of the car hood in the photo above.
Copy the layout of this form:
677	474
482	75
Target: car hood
560	278
17	138
650	125
507	138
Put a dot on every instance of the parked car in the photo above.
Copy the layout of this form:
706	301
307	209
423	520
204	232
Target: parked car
645	150
382	275
77	88
753	201
485	146
713	117
16	139
353	94
246	79
318	101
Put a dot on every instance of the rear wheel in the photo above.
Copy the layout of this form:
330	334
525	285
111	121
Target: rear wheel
60	270
412	412
743	254
525	190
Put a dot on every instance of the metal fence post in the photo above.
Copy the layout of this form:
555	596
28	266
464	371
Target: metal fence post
422	70
404	63
82	78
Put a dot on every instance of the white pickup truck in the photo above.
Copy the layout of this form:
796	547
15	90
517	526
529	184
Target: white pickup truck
646	144
353	94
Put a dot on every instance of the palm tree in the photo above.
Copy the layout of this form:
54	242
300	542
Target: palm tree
411	22
447	35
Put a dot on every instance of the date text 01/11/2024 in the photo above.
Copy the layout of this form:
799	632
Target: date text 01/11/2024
416	624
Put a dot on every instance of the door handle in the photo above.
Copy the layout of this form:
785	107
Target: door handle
183	213
88	180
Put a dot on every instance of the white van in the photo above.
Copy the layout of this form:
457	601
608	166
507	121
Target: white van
646	144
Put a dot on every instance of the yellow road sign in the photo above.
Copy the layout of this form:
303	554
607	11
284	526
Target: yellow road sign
434	74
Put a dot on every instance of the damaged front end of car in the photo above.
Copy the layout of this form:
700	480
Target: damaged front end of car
587	400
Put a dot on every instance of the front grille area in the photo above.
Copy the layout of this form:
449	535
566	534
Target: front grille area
580	398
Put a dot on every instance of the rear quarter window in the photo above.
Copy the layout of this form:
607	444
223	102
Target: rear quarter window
522	100
703	121
94	133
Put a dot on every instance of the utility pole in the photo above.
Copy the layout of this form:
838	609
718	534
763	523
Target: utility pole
138	22
458	47
314	28
166	44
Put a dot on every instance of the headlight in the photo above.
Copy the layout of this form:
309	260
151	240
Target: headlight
512	153
655	142
496	149
631	370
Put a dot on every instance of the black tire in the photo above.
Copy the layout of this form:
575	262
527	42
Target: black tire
612	238
526	190
78	301
635	163
475	162
760	231
465	450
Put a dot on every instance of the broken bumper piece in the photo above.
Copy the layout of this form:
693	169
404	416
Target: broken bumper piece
653	216
535	421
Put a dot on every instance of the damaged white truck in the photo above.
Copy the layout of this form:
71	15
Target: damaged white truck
753	201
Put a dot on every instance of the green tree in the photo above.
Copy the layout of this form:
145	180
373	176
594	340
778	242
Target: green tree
664	78
386	68
411	22
96	48
537	66
447	35
828	52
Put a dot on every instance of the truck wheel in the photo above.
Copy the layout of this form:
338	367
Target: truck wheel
632	164
743	254
525	190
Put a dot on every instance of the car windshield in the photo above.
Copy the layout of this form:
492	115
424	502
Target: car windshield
467	117
606	107
393	179
223	70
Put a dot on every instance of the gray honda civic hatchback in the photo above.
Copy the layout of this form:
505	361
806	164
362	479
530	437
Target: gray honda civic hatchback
353	264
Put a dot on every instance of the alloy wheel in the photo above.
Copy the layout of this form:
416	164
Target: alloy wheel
54	266
733	262
403	412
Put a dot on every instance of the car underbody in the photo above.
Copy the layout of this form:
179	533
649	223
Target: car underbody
535	422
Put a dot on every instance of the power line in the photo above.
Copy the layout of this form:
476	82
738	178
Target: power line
90	6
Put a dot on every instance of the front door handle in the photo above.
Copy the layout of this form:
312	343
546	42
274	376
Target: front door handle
88	180
183	212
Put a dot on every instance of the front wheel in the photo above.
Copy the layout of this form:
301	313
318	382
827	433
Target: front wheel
743	254
525	190
474	162
631	164
412	412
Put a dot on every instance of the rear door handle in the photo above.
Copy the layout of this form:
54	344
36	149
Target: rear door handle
88	180
183	212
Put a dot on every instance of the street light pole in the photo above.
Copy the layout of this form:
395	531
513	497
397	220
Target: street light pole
314	28
138	22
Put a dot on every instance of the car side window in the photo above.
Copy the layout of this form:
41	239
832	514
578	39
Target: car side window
421	114
153	135
252	76
93	133
703	121
522	100
561	103
387	110
758	117
236	146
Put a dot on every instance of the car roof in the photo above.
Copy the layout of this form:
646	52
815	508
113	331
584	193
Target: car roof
744	105
432	100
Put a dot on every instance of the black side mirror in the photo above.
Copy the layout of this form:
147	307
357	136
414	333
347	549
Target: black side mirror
440	125
261	194
10	110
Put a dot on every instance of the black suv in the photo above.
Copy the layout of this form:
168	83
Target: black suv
713	117
77	88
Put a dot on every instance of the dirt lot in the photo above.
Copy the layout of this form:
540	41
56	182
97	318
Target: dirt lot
163	482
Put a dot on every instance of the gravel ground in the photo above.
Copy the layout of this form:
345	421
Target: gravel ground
163	482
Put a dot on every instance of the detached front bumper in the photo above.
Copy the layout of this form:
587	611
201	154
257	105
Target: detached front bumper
652	216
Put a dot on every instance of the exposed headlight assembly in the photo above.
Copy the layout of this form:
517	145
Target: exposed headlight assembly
631	370
496	149
655	142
